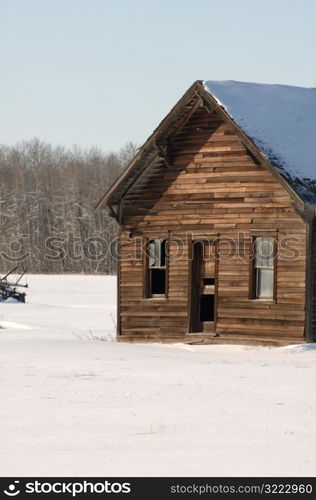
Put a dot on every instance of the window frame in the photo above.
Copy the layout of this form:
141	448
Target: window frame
253	284
147	274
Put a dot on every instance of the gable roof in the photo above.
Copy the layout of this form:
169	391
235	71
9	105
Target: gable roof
280	120
155	147
277	123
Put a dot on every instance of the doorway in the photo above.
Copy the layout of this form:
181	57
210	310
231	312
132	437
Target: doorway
203	287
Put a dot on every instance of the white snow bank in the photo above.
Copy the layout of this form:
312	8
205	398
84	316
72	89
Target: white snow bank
64	306
300	347
11	324
280	119
88	408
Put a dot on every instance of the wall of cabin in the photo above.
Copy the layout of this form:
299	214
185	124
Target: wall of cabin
213	187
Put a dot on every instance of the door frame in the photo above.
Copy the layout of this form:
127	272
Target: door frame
203	240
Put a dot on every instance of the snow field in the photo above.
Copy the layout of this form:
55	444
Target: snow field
72	406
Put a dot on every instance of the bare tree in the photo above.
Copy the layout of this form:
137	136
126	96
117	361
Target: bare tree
47	199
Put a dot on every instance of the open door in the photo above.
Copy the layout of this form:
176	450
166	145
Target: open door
203	287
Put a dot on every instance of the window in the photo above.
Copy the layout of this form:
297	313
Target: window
263	286
156	272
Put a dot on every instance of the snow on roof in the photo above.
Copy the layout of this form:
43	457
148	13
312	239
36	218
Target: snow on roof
279	119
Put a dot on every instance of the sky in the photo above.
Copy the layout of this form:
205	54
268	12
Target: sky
100	72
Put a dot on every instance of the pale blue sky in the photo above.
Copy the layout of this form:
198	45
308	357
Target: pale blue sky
99	72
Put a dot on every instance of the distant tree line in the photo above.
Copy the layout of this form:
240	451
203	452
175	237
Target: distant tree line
47	199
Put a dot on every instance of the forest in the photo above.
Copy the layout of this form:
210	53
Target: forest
47	199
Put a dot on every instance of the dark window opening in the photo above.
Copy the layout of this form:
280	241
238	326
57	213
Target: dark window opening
163	253
207	308
157	281
156	267
209	281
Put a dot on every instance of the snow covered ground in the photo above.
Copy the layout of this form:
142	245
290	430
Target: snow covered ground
72	406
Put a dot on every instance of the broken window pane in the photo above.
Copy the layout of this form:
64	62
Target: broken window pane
157	253
152	255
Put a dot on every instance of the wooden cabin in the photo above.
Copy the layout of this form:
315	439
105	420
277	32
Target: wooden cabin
216	216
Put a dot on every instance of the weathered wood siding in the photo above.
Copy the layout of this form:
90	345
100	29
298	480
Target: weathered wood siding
213	186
